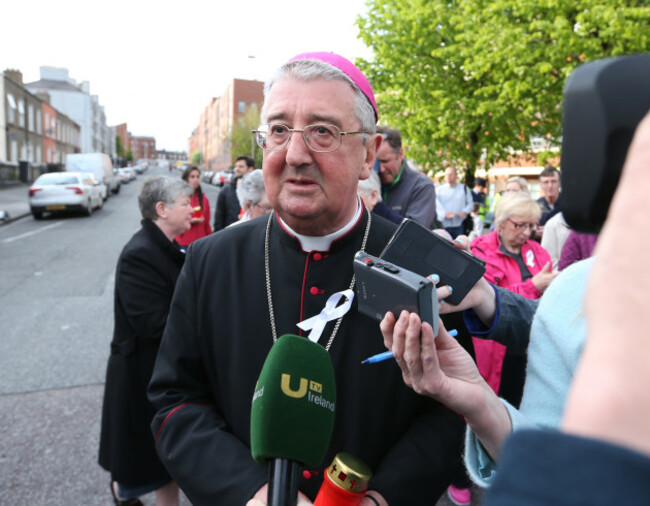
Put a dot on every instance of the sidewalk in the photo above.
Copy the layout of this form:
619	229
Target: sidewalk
13	202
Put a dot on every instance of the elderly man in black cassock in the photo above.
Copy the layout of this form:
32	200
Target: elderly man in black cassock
319	140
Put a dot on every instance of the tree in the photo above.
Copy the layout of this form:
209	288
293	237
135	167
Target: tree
472	80
119	147
242	142
197	158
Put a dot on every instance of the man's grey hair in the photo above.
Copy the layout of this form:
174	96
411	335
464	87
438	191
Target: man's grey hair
372	183
161	189
251	188
312	70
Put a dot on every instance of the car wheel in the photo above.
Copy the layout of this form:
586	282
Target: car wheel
89	208
117	189
38	215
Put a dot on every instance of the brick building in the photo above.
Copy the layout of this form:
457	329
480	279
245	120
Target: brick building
142	148
212	135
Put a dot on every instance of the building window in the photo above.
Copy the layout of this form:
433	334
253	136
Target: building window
21	113
12	108
14	151
30	117
39	124
242	107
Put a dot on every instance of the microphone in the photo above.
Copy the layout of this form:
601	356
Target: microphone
345	482
292	415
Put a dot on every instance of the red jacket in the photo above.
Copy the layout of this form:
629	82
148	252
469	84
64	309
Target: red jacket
502	270
198	230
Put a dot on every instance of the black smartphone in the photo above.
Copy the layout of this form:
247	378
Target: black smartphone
382	286
424	252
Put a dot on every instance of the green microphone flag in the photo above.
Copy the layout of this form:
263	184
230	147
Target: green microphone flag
292	415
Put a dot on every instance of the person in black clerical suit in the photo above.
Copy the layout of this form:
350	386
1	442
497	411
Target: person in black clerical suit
318	136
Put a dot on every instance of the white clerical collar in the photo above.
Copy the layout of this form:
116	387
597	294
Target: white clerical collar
322	243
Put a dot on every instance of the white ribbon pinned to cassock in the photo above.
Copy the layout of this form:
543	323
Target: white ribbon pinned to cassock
330	312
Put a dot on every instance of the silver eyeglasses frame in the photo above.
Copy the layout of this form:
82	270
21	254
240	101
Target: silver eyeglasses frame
262	131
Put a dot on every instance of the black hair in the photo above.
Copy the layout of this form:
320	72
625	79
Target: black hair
186	176
249	161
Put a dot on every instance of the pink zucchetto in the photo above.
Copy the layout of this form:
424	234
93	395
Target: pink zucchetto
348	68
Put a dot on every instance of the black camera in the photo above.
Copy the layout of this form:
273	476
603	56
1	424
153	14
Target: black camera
604	101
382	286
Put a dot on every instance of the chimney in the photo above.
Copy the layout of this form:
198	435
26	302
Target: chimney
15	75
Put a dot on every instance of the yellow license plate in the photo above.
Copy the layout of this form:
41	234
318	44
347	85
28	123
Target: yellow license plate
54	208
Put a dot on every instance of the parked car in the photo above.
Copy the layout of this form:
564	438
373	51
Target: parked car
138	168
222	178
206	176
65	191
130	173
123	175
98	164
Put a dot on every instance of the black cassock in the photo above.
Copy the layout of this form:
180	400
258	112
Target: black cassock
218	336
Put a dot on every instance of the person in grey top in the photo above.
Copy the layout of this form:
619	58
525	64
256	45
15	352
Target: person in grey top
406	191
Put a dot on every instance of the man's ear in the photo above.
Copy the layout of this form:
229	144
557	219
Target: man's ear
372	146
161	209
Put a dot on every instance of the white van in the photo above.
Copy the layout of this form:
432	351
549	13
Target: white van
97	163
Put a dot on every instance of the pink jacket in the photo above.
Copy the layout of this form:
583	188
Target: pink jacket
503	270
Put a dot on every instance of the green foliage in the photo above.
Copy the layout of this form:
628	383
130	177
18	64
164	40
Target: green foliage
469	80
197	158
129	156
119	147
242	142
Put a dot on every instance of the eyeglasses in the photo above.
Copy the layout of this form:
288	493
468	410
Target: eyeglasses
266	209
519	226
319	138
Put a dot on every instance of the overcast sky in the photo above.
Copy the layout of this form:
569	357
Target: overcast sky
155	65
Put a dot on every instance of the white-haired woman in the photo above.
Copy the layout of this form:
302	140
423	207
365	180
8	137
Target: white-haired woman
516	262
144	284
252	196
370	193
513	261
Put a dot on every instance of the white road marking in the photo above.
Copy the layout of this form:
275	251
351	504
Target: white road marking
33	232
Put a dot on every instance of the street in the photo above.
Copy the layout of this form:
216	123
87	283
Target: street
56	309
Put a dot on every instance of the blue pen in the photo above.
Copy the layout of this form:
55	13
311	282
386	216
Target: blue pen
380	357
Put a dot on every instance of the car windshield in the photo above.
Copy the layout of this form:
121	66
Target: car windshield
82	166
57	178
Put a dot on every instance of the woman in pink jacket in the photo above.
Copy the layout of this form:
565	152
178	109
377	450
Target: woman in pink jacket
520	264
513	261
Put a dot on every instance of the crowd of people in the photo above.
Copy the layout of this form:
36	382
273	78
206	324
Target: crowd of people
197	309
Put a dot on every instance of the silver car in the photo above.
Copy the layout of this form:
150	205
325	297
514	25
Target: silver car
65	191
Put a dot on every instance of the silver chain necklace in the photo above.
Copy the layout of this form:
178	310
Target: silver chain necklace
267	272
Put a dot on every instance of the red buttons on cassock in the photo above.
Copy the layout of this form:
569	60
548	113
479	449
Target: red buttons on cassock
318	256
314	290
